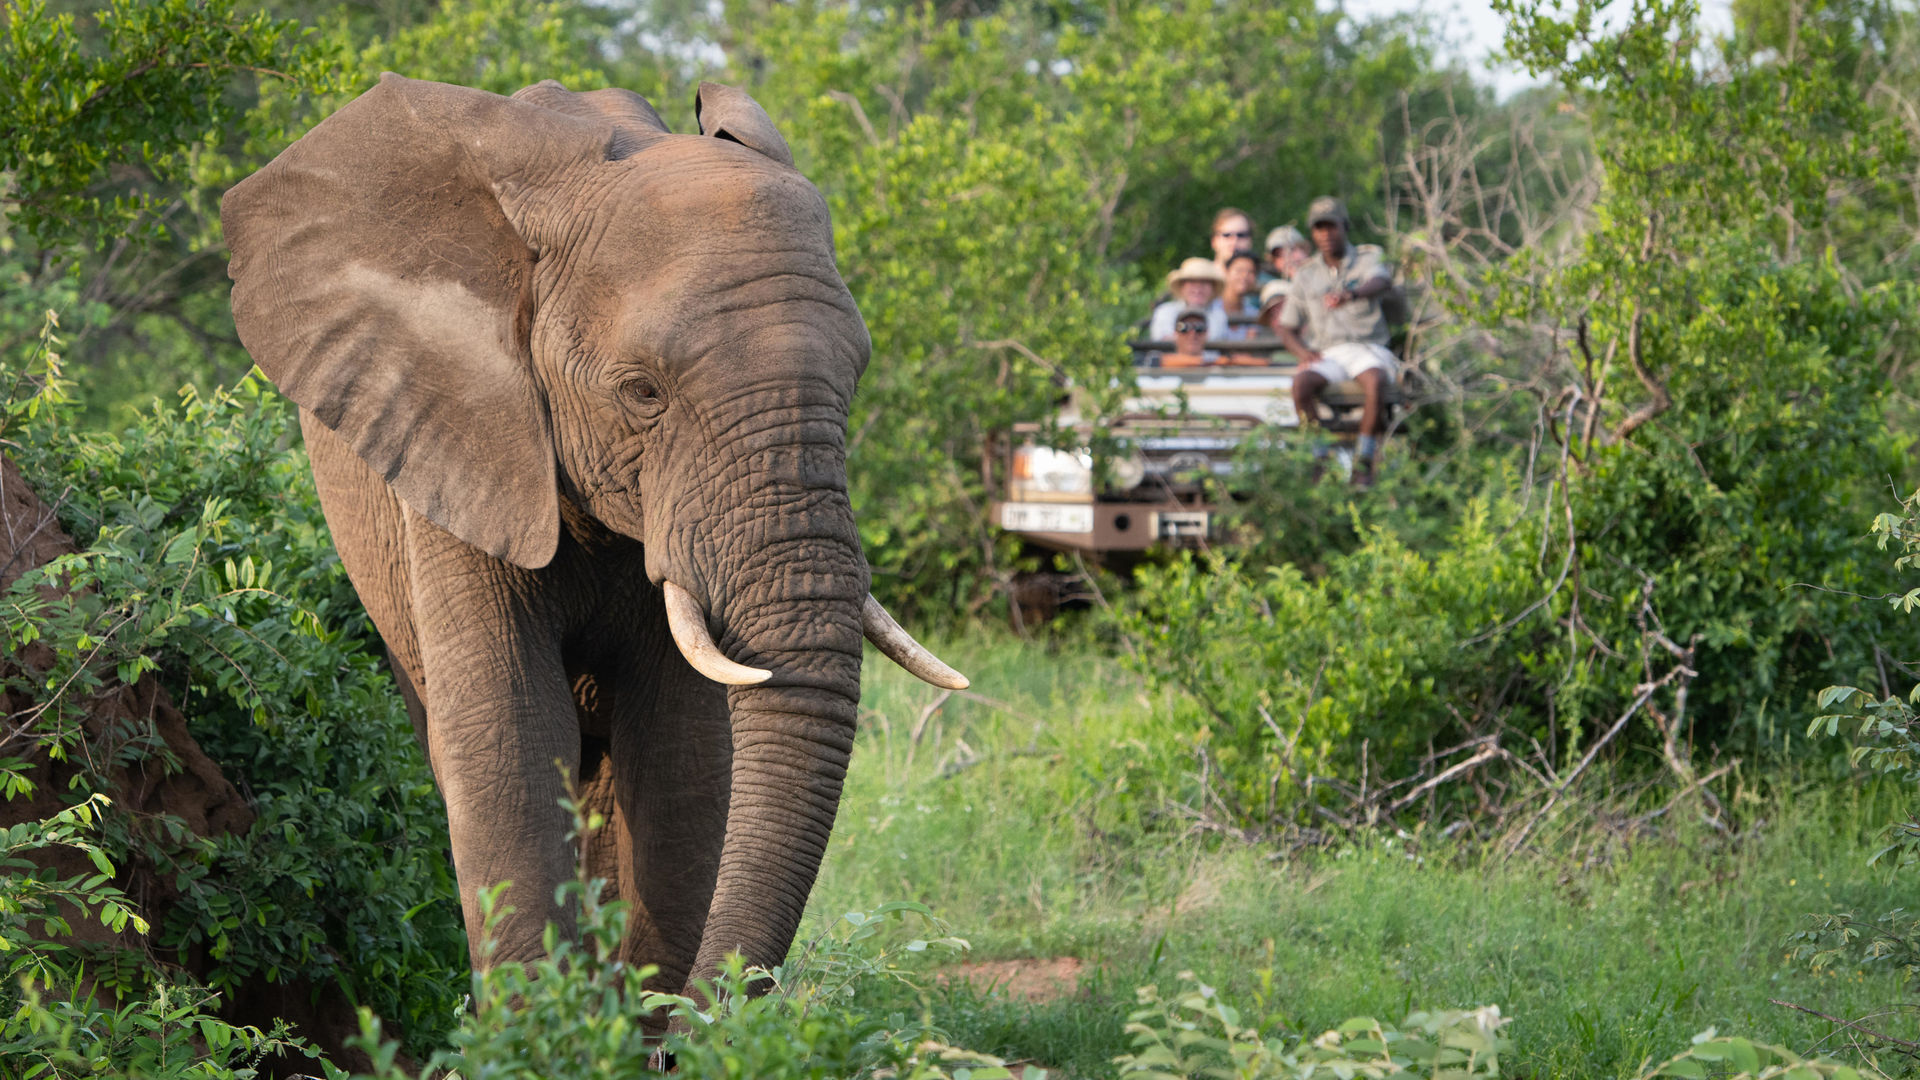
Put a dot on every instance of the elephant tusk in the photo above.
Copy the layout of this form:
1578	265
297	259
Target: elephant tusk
688	624
899	647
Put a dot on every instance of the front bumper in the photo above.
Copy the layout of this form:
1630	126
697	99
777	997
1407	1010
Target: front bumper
1104	527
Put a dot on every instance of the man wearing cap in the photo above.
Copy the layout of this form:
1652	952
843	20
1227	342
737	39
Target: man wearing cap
1333	325
1287	250
1197	283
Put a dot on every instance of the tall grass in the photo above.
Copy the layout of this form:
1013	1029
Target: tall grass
1030	825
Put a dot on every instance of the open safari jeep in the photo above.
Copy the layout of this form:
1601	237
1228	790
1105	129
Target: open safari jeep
1182	427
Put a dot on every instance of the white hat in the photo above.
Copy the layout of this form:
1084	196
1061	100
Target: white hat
1272	293
1197	269
1285	236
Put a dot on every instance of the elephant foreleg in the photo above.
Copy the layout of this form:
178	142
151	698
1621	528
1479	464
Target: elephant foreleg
503	738
672	755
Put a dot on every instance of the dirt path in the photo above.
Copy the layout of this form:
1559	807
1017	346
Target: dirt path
1036	981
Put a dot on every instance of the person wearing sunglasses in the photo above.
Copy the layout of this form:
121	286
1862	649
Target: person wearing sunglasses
1232	234
1189	339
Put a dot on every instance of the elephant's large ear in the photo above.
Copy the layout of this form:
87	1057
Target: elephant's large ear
727	113
380	280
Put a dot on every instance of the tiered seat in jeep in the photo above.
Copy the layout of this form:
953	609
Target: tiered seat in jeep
1245	389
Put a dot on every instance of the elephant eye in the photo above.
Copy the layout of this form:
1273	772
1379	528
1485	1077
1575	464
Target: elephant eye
644	394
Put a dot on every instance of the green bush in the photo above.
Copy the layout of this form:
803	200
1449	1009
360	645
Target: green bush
206	561
1286	676
1720	362
1285	506
581	1013
1198	1034
1709	414
170	1033
1749	491
53	1025
1887	741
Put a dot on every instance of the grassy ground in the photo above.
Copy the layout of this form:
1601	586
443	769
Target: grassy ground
1026	827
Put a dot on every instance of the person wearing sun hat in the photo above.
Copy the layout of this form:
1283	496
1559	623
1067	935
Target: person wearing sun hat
1196	282
1332	323
1273	297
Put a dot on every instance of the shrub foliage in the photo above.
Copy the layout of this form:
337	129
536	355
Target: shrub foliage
1710	378
206	561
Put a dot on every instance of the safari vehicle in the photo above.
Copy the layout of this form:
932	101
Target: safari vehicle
1182	427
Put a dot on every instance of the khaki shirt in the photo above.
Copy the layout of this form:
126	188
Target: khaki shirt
1355	320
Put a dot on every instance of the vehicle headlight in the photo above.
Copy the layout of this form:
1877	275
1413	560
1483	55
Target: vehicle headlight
1128	470
1043	470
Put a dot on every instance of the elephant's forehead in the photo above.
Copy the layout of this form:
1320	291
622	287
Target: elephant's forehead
691	187
703	248
793	315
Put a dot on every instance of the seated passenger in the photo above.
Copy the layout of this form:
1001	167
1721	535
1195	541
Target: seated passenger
1273	297
1335	304
1196	282
1189	339
1242	288
1232	234
1287	250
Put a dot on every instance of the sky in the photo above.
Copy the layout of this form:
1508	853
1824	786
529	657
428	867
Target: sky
1474	32
1470	26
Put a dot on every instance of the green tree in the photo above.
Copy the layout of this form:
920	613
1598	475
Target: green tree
1724	372
992	180
1708	370
156	84
107	115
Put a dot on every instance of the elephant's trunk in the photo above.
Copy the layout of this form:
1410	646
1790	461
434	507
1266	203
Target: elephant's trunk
785	582
787	589
790	751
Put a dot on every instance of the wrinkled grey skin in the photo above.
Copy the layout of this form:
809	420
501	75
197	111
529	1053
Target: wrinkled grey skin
549	356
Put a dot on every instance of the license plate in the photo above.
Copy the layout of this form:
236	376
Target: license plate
1181	525
1046	517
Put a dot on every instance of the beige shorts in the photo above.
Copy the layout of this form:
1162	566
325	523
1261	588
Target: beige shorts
1344	362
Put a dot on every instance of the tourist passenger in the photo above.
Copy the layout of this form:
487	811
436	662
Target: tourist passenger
1232	233
1241	295
1189	338
1287	250
1334	304
1273	297
1198	283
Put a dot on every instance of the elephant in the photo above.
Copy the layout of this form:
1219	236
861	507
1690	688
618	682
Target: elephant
575	392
